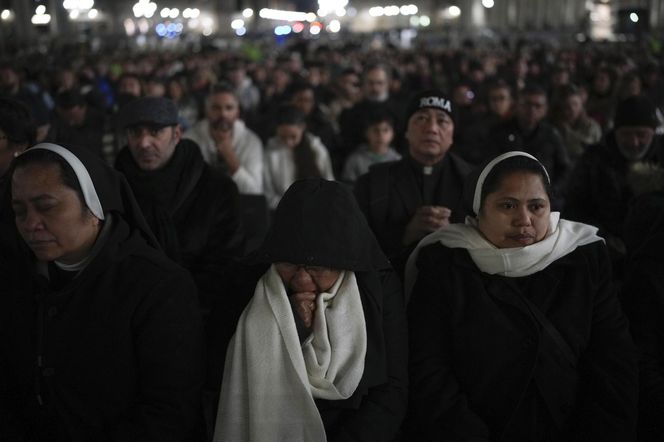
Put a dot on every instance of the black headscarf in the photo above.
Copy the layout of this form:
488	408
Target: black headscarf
319	223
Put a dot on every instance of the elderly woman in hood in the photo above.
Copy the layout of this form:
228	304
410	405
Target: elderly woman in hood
100	335
516	333
320	351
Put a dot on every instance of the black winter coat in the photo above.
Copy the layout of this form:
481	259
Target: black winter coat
389	195
199	224
115	355
484	369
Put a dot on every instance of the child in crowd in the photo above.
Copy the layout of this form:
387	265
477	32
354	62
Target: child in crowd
378	133
291	154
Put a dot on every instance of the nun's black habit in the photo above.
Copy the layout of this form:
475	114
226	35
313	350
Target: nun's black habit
318	223
113	352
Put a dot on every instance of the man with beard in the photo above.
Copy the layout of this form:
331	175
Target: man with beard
606	178
192	209
226	142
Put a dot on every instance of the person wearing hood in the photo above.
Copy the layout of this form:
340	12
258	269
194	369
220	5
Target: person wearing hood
603	182
101	336
192	209
516	332
320	351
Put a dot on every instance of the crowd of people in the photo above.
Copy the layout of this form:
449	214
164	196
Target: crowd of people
333	243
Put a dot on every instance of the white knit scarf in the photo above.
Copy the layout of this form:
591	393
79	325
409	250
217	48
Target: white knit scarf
563	238
270	380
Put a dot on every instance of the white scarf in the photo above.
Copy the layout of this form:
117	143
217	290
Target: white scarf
270	380
563	238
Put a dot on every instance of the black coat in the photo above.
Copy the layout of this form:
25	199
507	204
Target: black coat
375	411
389	195
114	355
197	221
482	368
544	143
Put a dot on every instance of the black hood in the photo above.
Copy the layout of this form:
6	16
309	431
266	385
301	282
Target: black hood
319	223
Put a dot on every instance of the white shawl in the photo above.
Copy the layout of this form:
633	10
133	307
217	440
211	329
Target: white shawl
270	380
563	238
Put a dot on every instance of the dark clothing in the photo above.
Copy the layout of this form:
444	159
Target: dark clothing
88	135
193	211
113	354
544	143
390	193
484	367
318	223
643	299
375	410
599	193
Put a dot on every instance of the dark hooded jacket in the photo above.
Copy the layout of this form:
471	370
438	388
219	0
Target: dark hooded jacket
193	211
318	223
110	353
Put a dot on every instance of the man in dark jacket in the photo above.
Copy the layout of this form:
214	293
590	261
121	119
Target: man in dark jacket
603	182
410	198
528	132
192	209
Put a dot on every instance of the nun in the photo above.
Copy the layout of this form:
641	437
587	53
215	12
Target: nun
516	332
100	334
320	351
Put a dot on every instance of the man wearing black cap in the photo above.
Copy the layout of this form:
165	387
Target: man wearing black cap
75	123
410	198
607	176
192	209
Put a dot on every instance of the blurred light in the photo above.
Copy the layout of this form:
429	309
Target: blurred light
352	12
277	14
425	21
178	27
41	19
78	4
143	26
41	9
165	12
207	32
73	14
92	14
391	10
581	37
240	31
171	27
377	11
334	26
415	21
408	10
160	29
315	28
311	17
193	23
282	30
144	8
130	27
322	12
298	27
6	13
186	13
487	4
454	11
175	12
195	13
207	22
341	12
247	13
237	23
634	17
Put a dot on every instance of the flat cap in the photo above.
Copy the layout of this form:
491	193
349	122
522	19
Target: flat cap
153	111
